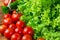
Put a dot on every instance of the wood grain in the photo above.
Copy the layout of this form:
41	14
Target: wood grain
1	3
1	19
1	15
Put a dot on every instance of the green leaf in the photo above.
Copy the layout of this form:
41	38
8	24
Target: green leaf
14	5
5	9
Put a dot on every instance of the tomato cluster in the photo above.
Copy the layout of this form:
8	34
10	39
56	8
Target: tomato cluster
15	29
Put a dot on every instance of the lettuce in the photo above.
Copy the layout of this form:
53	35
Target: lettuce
43	16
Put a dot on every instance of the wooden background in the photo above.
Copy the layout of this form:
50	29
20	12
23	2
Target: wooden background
1	15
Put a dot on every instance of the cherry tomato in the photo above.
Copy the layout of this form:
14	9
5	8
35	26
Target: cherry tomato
14	12
20	31
16	36
3	28
15	17
41	39
12	26
8	33
28	30
7	16
26	37
20	24
7	21
6	2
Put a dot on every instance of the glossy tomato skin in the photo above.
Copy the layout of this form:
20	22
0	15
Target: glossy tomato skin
15	17
14	12
7	21
28	30
8	33
19	30
41	39
7	16
12	26
26	37
3	28
20	24
16	36
6	2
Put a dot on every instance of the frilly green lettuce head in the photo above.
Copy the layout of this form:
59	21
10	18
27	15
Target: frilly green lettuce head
43	16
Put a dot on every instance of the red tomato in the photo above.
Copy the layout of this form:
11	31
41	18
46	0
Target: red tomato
12	26
20	24
3	28
7	21
20	31
14	12
28	30
16	36
26	37
41	39
7	16
15	17
8	33
6	2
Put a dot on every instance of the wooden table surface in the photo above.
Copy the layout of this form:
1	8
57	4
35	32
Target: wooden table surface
1	19
1	15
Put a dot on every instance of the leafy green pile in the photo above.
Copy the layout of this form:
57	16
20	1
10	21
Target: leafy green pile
43	16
